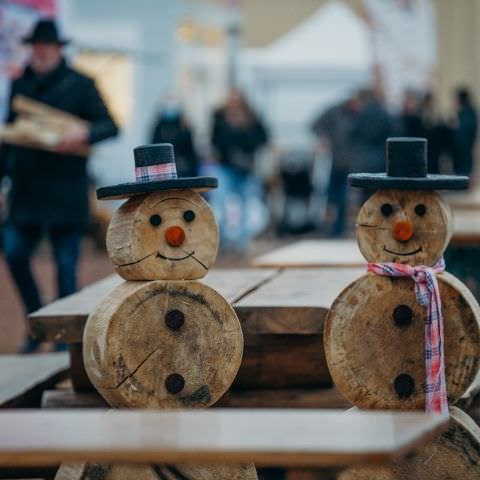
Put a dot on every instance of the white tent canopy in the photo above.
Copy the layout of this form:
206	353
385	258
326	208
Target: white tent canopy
333	37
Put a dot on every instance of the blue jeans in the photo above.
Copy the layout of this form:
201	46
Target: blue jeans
337	197
19	245
232	198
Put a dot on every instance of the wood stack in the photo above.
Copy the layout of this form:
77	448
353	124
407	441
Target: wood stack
39	126
374	333
162	339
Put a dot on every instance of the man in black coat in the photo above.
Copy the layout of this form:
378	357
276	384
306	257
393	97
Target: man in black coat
49	190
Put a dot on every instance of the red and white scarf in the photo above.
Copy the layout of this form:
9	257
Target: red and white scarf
428	295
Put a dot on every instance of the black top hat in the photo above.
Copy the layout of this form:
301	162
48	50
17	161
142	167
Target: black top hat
155	169
407	170
45	31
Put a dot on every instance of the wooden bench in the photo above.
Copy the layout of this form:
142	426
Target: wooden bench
304	438
281	313
23	378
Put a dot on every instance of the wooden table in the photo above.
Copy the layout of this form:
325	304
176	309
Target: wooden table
323	253
310	438
23	378
281	312
313	254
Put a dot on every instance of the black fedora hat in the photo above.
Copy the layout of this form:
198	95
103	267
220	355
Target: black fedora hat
407	170
155	170
45	31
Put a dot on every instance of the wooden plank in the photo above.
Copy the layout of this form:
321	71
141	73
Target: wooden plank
24	377
72	399
284	398
283	361
64	319
272	398
313	254
319	438
295	302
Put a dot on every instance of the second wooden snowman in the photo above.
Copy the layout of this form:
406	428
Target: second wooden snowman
162	339
406	335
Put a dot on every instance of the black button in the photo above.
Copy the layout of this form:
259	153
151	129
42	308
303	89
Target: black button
386	209
420	209
174	319
189	216
402	315
404	385
155	220
174	383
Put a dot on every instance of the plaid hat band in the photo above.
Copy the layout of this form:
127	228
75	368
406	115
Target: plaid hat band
156	173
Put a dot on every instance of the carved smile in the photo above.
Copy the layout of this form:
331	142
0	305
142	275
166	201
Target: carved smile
191	254
419	249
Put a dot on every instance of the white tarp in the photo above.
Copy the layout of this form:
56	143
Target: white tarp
404	44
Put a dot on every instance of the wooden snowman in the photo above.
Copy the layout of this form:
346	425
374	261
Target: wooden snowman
161	339
406	335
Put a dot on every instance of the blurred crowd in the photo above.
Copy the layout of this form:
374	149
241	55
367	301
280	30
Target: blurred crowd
302	190
350	137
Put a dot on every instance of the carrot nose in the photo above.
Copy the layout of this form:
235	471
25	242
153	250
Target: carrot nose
402	231
175	236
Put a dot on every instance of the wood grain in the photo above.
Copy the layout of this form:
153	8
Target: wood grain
96	471
265	437
63	320
366	350
24	377
431	231
139	250
271	398
455	455
294	302
313	253
135	357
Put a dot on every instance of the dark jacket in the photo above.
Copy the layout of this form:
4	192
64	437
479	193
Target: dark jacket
175	131
50	188
465	136
236	146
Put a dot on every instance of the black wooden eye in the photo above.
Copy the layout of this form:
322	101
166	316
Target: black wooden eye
386	209
189	216
155	220
420	209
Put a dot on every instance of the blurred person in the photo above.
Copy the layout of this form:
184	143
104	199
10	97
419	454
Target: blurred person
49	190
335	126
411	124
172	127
237	135
435	130
373	125
465	133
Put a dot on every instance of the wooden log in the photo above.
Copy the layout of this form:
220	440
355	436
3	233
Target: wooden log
136	237
374	341
427	213
98	471
455	455
162	345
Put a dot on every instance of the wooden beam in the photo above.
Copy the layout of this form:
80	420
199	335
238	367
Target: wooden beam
316	438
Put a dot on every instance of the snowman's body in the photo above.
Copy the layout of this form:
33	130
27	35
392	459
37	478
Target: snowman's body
162	339
375	331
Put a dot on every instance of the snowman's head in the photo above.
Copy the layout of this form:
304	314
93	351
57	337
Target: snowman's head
404	226
167	235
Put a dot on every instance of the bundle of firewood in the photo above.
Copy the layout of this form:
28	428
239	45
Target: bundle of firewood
38	125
